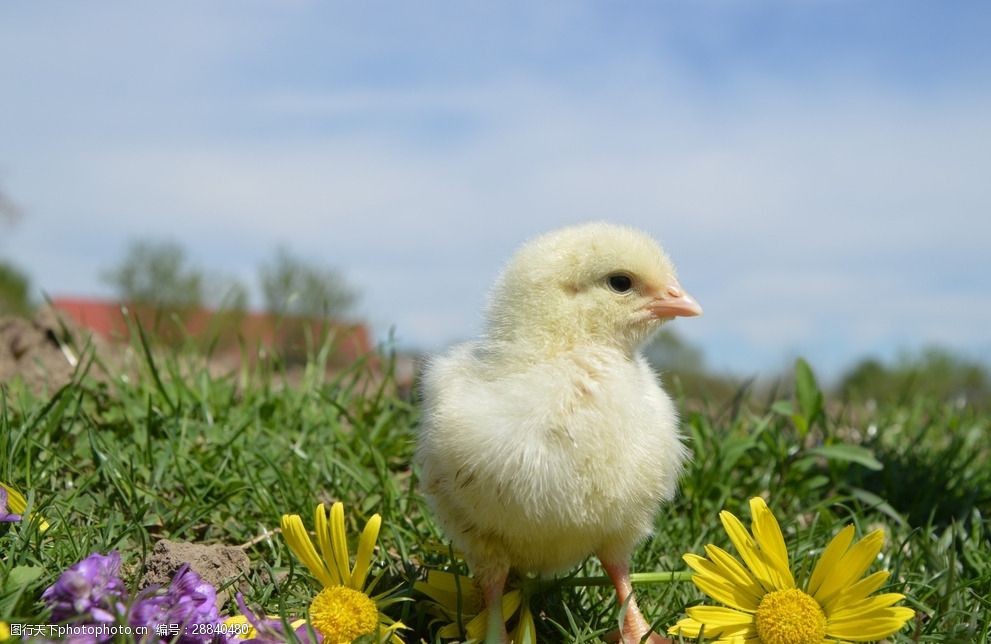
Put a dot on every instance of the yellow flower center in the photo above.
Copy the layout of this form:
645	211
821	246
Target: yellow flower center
790	617
343	614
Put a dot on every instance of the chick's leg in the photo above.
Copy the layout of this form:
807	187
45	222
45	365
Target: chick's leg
492	587
635	627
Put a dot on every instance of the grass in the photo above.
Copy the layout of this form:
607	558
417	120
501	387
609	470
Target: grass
169	451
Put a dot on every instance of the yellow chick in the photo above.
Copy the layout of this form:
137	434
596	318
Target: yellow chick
550	439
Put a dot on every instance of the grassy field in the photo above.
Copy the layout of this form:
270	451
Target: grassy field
173	452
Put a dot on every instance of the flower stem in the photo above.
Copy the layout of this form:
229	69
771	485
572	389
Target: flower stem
661	577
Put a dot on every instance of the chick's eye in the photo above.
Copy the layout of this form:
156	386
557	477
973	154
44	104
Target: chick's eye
620	283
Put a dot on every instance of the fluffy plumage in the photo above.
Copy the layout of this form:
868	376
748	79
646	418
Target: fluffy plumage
550	439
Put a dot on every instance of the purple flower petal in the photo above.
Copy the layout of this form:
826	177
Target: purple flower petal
6	517
189	604
272	631
88	592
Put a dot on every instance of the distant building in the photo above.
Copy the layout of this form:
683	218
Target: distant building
225	333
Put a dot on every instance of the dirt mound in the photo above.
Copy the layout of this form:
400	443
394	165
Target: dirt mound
216	564
45	352
31	349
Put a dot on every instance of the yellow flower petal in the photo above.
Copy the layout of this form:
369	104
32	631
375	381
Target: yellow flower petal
768	535
723	622
865	607
830	559
719	616
339	543
725	592
325	540
861	589
691	629
449	631
451	582
699	563
686	627
748	551
851	566
441	604
711	580
733	571
444	588
881	623
237	620
525	631
475	629
301	545
17	504
366	547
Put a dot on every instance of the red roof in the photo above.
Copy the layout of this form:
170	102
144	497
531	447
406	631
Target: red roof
103	318
226	330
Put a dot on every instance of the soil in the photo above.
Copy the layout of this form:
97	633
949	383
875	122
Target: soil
217	564
32	350
45	352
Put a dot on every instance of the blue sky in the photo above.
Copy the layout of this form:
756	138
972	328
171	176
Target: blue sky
817	169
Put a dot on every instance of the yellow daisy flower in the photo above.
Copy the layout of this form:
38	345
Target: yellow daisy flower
762	603
17	504
456	595
343	610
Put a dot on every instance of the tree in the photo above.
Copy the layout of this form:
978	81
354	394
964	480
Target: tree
14	291
159	286
932	372
156	273
683	368
292	286
668	351
226	293
303	296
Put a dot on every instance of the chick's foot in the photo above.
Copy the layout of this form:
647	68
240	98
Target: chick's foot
492	587
635	627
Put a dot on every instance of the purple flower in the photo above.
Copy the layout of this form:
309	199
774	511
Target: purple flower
190	604
6	517
271	630
89	589
89	592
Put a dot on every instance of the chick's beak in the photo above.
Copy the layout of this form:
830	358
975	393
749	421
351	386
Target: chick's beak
673	301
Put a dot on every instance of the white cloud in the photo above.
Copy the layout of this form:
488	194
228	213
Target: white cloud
805	221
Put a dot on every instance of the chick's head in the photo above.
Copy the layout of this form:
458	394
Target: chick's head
594	283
